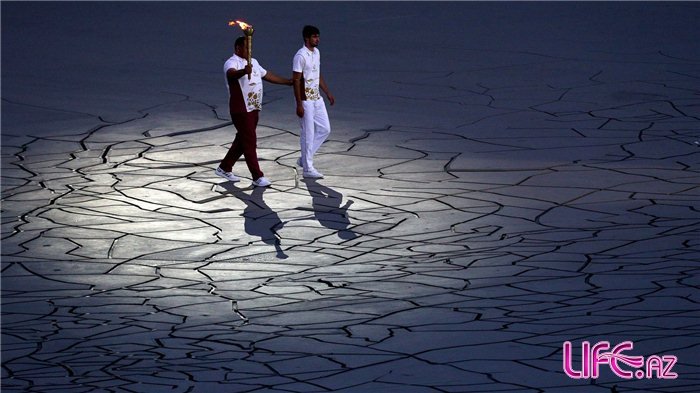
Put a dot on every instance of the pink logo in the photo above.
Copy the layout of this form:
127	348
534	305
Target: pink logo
592	357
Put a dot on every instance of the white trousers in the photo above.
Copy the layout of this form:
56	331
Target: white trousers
315	128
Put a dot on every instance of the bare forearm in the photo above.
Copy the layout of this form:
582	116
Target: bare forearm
324	87
322	84
234	74
272	78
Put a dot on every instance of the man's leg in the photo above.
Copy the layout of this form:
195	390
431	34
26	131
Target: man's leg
246	124
234	152
306	137
322	126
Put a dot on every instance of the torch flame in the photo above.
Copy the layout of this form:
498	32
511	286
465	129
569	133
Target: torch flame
243	25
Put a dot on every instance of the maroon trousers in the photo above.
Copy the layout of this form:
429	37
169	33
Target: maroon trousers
244	144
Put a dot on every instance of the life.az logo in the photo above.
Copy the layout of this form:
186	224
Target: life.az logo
592	357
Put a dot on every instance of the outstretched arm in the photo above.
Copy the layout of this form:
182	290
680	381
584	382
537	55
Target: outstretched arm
272	78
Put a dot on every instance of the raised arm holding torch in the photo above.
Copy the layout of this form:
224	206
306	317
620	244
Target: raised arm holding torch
248	32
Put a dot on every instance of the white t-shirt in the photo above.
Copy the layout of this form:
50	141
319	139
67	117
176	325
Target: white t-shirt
309	63
251	89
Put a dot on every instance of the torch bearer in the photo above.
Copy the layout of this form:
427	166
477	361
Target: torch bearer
248	32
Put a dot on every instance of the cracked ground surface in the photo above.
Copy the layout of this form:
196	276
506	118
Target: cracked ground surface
521	192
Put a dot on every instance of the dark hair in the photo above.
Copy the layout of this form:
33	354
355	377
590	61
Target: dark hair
240	41
309	31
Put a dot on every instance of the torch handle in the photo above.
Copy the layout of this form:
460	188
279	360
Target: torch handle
249	40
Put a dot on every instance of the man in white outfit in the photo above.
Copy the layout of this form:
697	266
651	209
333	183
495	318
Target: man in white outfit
311	109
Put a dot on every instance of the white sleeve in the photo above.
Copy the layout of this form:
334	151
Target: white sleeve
263	71
298	63
228	65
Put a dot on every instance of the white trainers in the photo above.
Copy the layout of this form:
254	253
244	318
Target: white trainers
226	175
262	182
314	174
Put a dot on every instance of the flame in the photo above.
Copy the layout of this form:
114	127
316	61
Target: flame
243	25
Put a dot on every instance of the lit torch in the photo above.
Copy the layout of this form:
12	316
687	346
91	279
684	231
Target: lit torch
248	32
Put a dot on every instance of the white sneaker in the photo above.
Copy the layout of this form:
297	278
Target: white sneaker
262	182
314	174
227	175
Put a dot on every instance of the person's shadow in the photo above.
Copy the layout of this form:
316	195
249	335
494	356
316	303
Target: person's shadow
326	205
260	219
